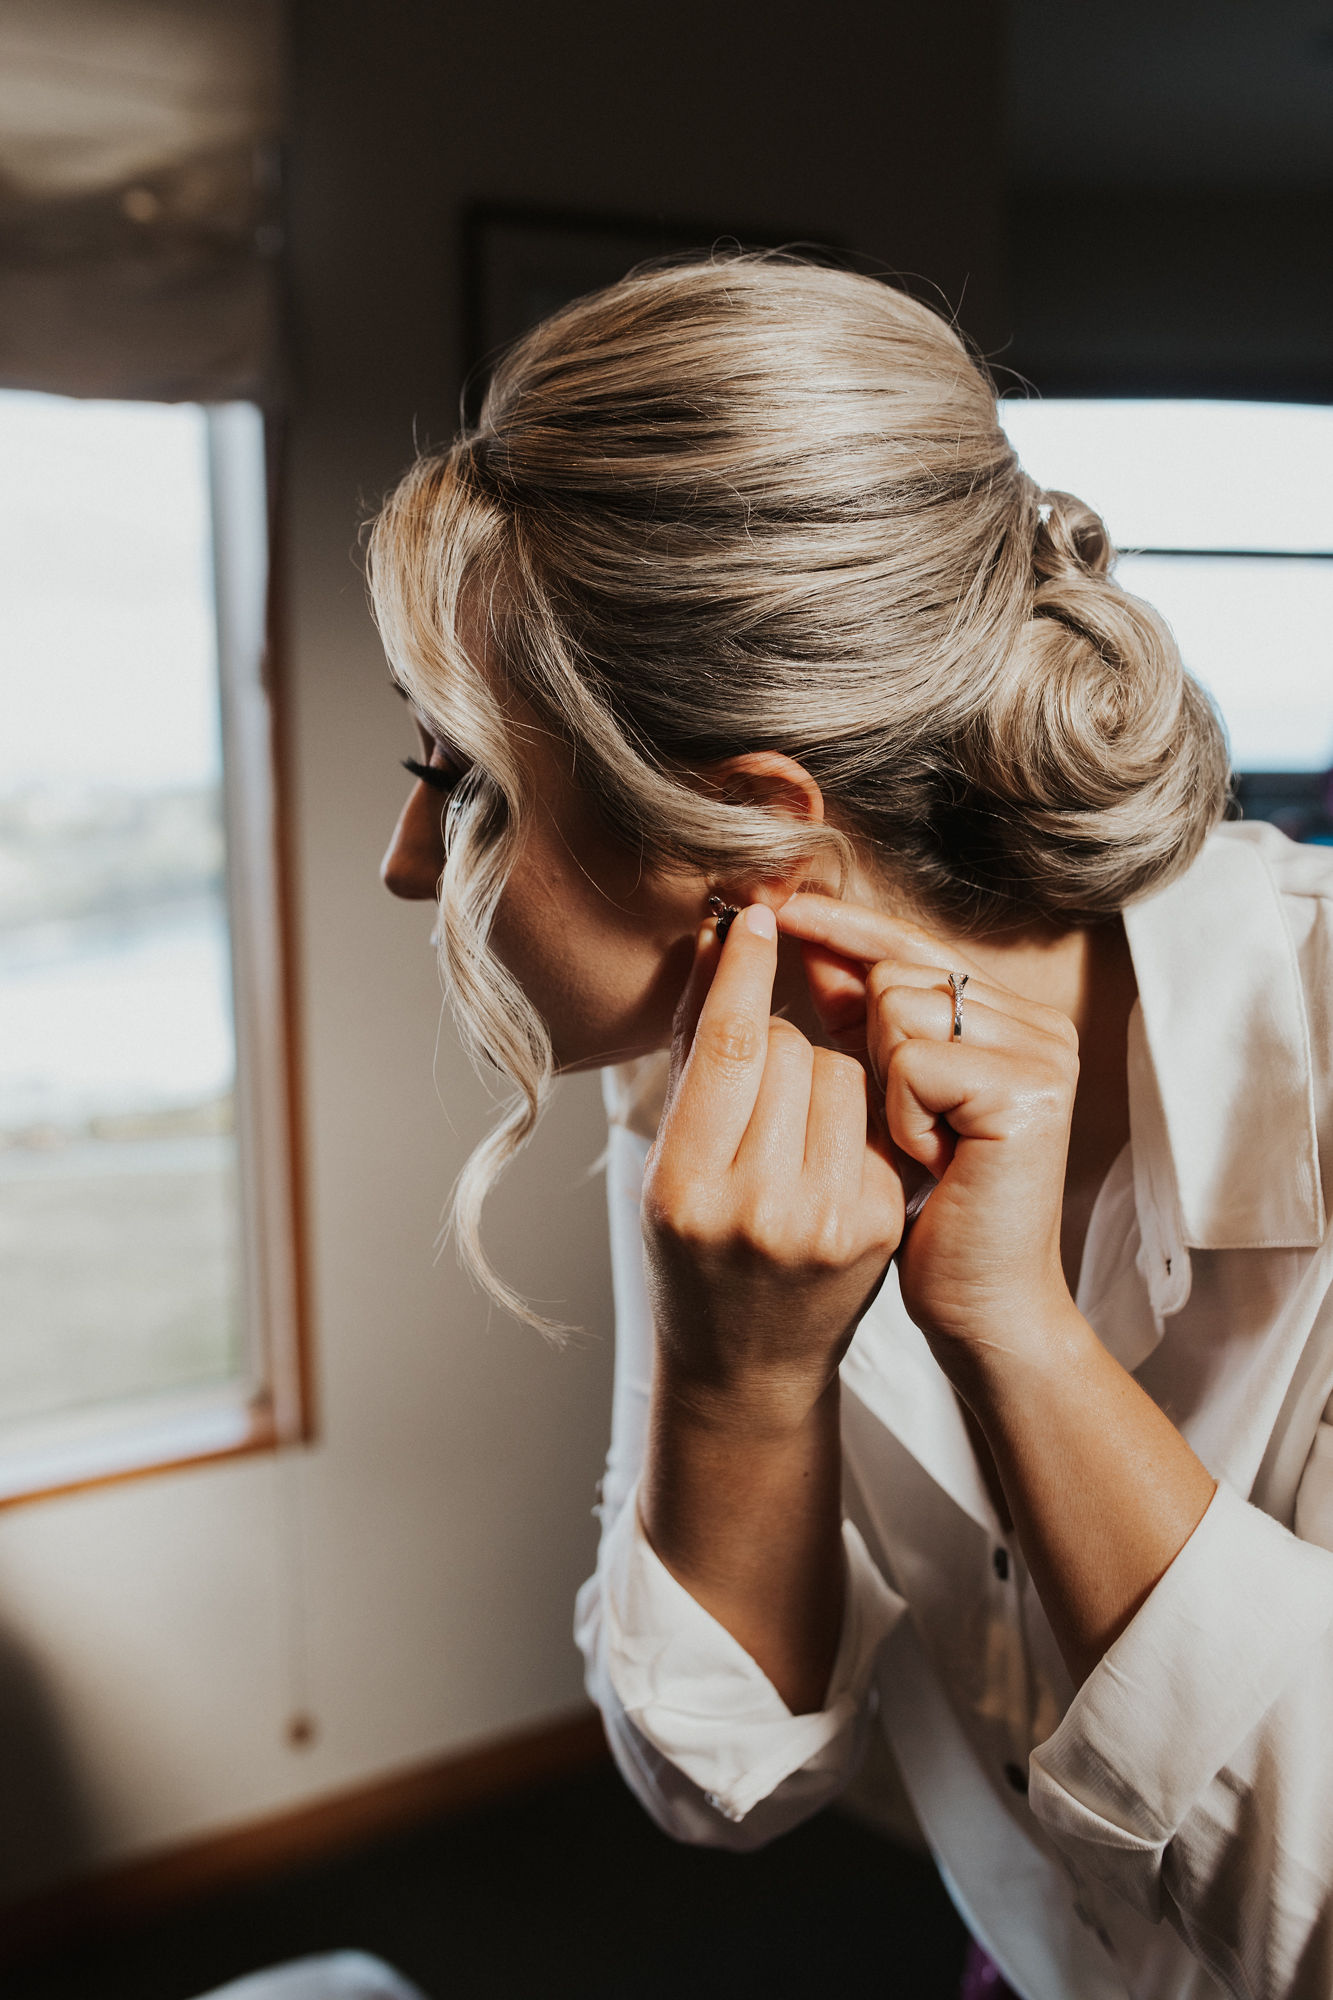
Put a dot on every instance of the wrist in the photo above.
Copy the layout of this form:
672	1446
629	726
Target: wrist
743	1505
744	1408
1029	1363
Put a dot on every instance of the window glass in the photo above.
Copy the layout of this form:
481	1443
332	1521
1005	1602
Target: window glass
1258	632
1235	501
1166	474
120	1261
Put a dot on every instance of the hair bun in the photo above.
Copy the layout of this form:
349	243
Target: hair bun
1100	761
1071	539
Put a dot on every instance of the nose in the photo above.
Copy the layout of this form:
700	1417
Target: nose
414	860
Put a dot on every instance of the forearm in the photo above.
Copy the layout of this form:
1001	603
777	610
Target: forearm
745	1510
1103	1489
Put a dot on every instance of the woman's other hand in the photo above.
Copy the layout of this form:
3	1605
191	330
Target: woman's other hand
987	1116
770	1210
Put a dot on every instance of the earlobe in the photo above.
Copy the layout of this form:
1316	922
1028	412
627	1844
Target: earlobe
725	915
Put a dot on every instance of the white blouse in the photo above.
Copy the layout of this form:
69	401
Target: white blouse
1167	1831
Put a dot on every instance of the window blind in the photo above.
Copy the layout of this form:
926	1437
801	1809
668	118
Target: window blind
139	219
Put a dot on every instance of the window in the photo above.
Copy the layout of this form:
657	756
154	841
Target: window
1227	509
147	1296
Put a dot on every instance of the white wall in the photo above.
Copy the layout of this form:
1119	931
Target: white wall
409	1578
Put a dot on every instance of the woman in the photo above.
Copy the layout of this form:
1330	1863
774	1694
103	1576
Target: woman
970	1250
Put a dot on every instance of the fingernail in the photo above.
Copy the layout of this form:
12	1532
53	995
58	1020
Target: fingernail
761	920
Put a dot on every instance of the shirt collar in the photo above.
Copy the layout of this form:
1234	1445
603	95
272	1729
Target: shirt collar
1228	1052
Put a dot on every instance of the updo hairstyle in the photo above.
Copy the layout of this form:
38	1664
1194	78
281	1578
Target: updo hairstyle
756	503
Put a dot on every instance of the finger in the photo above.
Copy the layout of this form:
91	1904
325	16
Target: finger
900	1014
838	991
920	1095
837	1120
1025	1017
847	1158
903	953
773	1147
724	1065
942	1095
861	935
850	1176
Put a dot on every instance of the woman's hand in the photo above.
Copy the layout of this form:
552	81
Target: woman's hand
770	1213
986	1116
1103	1490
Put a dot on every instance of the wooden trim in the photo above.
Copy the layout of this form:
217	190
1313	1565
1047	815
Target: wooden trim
260	1435
133	1893
278	679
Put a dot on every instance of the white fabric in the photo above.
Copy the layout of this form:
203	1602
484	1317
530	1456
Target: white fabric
1176	1841
334	1975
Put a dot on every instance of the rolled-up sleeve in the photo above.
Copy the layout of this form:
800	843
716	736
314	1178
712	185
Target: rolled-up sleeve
699	1731
1192	1774
664	1665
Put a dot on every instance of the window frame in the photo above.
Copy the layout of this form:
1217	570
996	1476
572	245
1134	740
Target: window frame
269	1404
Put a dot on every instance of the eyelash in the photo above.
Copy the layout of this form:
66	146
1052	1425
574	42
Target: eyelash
440	778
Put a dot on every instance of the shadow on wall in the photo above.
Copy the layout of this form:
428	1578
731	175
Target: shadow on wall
45	1819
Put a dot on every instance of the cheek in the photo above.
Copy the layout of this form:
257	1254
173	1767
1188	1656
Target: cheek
600	946
573	966
604	980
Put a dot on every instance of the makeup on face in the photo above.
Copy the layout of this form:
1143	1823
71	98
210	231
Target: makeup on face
440	777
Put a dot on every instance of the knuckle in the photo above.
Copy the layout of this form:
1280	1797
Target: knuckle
898	1006
760	1229
660	1207
1064	1031
676	1205
881	978
840	1070
784	1037
900	1060
1048	1097
828	1248
729	1040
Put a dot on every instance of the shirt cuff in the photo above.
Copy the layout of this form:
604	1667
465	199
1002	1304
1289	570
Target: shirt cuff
697	1695
1207	1654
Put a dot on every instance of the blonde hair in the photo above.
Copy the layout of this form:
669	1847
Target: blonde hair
755	503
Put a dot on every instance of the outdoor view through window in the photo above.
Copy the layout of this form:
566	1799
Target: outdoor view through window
1227	509
120	1263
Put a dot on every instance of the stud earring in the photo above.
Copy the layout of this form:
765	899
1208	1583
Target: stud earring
726	914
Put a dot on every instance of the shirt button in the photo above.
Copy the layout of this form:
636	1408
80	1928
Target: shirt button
1016	1776
1000	1564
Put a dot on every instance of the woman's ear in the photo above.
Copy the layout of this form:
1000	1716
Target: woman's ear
767	778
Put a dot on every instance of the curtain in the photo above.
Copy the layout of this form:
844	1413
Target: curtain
139	219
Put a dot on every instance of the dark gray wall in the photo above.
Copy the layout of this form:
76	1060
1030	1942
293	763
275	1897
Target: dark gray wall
876	125
1169	223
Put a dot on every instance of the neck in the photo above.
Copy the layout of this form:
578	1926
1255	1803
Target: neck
1087	974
